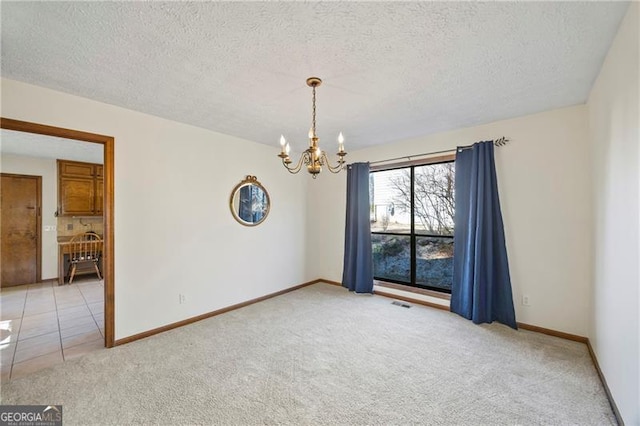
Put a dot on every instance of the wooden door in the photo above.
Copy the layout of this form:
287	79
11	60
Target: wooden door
20	202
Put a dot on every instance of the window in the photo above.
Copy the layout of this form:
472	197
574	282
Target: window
412	210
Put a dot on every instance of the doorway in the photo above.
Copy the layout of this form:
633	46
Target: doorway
20	219
107	143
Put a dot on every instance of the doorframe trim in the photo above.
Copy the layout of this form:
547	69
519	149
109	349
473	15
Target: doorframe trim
38	218
108	209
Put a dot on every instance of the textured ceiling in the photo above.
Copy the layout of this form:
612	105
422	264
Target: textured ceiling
42	146
391	70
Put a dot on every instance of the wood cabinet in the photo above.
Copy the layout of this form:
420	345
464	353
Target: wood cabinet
80	188
74	168
99	195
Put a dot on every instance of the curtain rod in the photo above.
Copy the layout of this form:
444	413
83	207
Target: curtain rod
497	142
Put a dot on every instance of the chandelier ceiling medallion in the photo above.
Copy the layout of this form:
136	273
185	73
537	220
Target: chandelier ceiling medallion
313	157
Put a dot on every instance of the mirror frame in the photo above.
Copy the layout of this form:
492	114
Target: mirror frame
248	181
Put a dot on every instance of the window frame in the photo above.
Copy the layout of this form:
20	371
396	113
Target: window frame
411	165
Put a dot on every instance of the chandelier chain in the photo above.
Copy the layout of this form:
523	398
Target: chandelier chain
313	123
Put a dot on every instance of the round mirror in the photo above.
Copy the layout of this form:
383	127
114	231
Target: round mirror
249	202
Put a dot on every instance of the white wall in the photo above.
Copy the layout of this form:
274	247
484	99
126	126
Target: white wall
45	167
543	178
174	232
614	127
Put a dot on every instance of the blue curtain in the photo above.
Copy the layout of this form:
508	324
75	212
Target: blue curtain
481	289
357	274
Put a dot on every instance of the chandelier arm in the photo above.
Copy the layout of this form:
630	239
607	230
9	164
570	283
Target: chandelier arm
333	169
296	169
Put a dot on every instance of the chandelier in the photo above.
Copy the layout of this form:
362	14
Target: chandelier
313	157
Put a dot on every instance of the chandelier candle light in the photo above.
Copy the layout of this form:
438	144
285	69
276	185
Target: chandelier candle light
313	157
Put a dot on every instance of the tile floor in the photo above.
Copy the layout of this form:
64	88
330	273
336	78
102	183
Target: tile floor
45	324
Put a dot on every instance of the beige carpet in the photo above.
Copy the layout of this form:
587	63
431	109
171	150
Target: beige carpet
321	355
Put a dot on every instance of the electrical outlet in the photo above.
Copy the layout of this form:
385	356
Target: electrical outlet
525	300
47	228
182	298
69	226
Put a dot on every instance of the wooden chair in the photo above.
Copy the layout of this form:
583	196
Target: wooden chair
84	248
